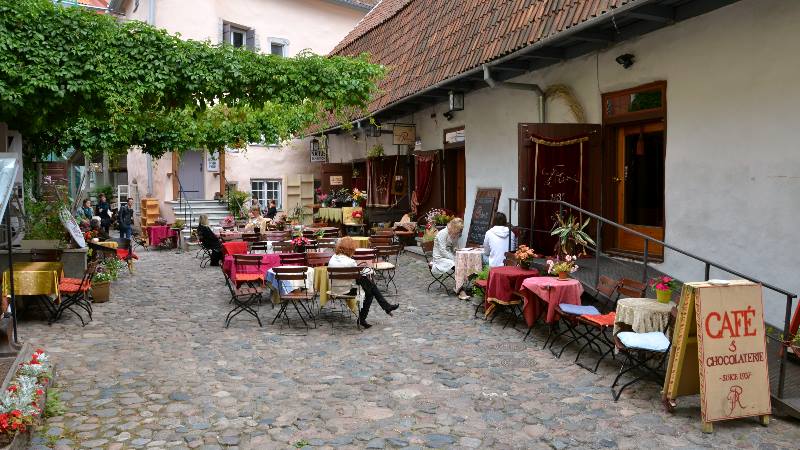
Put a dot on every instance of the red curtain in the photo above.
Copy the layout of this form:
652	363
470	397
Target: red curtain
424	177
380	175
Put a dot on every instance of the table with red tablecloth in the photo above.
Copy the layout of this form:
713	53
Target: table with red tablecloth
268	261
234	248
158	233
503	282
548	292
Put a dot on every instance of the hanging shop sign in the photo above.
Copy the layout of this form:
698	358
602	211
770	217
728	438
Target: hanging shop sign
319	152
336	180
212	162
404	135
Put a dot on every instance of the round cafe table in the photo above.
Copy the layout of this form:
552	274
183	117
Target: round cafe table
552	292
643	315
503	282
468	261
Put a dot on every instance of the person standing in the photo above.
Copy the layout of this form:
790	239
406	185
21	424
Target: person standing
343	258
104	211
125	218
272	211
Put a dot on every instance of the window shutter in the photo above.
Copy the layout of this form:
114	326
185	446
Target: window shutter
250	40
226	33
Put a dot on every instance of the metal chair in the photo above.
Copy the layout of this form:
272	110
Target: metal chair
75	295
293	259
427	251
386	264
287	275
596	328
139	239
251	237
326	243
341	275
330	234
282	247
248	270
318	259
244	299
261	246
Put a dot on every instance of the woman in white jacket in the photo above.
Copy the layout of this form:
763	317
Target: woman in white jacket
498	240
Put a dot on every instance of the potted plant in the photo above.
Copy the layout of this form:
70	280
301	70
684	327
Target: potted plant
572	239
236	203
663	287
299	243
562	267
43	227
357	216
525	256
438	218
376	151
101	283
428	237
359	197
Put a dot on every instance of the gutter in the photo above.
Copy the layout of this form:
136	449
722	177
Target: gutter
529	49
487	77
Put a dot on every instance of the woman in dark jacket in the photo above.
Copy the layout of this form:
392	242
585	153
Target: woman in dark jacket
209	240
104	211
272	211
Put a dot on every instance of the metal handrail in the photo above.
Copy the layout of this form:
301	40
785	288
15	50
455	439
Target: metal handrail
790	296
181	191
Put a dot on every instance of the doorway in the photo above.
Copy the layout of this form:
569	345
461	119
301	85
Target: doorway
454	168
639	183
190	173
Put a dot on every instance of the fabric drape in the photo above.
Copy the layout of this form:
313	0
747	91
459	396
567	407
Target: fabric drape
424	179
380	174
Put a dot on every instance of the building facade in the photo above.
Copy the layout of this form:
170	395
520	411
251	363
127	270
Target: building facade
675	118
280	27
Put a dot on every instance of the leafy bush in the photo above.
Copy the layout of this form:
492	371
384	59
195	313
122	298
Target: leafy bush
236	203
43	220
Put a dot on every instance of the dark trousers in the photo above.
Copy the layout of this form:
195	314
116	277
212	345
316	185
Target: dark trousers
370	291
125	231
216	256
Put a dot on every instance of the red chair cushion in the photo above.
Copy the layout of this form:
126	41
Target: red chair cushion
605	320
70	288
482	283
71	280
247	277
123	254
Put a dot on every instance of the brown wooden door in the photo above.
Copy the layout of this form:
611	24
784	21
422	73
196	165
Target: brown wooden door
336	173
461	182
639	182
455	180
561	170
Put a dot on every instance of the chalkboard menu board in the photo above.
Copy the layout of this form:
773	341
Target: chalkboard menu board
486	201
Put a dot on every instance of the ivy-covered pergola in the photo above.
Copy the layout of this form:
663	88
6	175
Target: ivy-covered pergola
74	79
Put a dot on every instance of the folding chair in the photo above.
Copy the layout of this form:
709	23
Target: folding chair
596	327
427	251
287	275
484	286
366	258
330	234
76	295
640	350
293	259
282	247
312	245
386	264
277	236
248	270
251	237
326	243
125	252
339	275
243	299
262	246
139	239
318	259
631	289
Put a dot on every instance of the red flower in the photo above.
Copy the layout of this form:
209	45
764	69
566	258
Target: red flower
34	362
39	351
39	392
12	388
16	413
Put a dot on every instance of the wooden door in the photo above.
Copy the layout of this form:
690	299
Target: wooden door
191	175
455	180
564	165
461	182
336	176
639	184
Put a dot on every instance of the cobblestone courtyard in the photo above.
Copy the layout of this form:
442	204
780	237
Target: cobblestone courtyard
157	369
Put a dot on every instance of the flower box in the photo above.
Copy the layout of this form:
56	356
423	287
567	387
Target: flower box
43	244
33	413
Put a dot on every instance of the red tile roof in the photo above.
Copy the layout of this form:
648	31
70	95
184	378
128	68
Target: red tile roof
424	42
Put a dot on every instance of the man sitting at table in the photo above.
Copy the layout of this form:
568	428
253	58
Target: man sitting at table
344	251
497	241
209	240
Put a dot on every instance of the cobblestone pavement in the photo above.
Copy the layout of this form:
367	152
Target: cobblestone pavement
156	369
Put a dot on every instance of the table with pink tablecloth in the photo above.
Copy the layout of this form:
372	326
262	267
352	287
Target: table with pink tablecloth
552	293
268	261
467	262
158	233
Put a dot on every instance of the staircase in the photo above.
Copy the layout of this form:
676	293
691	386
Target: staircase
215	211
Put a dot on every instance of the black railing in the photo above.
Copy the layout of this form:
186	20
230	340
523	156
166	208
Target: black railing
600	221
181	193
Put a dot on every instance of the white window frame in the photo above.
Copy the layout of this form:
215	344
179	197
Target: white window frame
239	30
284	43
263	198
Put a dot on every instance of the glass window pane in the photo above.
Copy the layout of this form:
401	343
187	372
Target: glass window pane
237	38
641	101
276	49
644	179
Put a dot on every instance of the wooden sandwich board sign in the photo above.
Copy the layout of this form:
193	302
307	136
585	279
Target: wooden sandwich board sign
486	201
719	351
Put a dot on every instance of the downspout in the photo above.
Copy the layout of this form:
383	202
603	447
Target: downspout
487	77
151	19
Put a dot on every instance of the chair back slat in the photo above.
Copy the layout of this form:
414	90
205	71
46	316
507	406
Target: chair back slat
282	247
318	259
630	288
245	261
293	273
262	246
330	234
381	241
344	273
607	286
293	259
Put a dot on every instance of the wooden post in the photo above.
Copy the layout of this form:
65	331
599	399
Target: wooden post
222	184
175	167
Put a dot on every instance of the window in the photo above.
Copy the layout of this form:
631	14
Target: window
278	46
239	36
265	190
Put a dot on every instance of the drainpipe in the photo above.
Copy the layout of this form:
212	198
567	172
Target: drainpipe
487	77
151	13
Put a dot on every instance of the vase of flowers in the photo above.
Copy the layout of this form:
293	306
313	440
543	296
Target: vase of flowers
359	197
357	216
299	243
562	267
663	287
525	255
438	218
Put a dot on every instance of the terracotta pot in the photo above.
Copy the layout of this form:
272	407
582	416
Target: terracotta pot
101	291
664	296
563	275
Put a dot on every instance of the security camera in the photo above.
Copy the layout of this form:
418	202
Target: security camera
625	60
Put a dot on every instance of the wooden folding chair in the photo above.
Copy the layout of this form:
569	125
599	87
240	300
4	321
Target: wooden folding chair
330	234
640	351
248	270
287	275
427	251
366	258
631	289
318	259
251	237
244	299
386	264
282	247
259	247
326	243
293	259
596	327
340	275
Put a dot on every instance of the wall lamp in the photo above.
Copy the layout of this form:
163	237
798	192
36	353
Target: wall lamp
626	60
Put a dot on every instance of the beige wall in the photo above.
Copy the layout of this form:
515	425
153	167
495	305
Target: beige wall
317	25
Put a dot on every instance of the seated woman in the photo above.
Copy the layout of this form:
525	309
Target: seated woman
209	240
344	250
444	247
97	229
498	240
272	210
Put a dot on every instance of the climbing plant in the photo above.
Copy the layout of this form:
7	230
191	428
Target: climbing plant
74	78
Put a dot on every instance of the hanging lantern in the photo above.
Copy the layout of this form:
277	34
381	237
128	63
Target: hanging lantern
456	101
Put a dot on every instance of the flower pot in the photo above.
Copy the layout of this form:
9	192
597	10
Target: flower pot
563	275
664	296
525	264
101	290
299	248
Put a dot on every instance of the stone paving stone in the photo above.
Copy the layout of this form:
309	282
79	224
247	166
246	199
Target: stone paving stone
157	369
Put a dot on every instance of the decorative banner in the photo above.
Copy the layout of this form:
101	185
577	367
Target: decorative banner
212	162
72	226
732	353
336	180
404	135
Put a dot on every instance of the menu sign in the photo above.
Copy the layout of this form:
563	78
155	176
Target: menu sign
734	381
483	211
72	226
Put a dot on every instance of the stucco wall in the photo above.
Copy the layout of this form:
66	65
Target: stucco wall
733	162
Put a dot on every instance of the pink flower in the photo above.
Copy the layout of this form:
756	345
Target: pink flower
666	279
661	287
